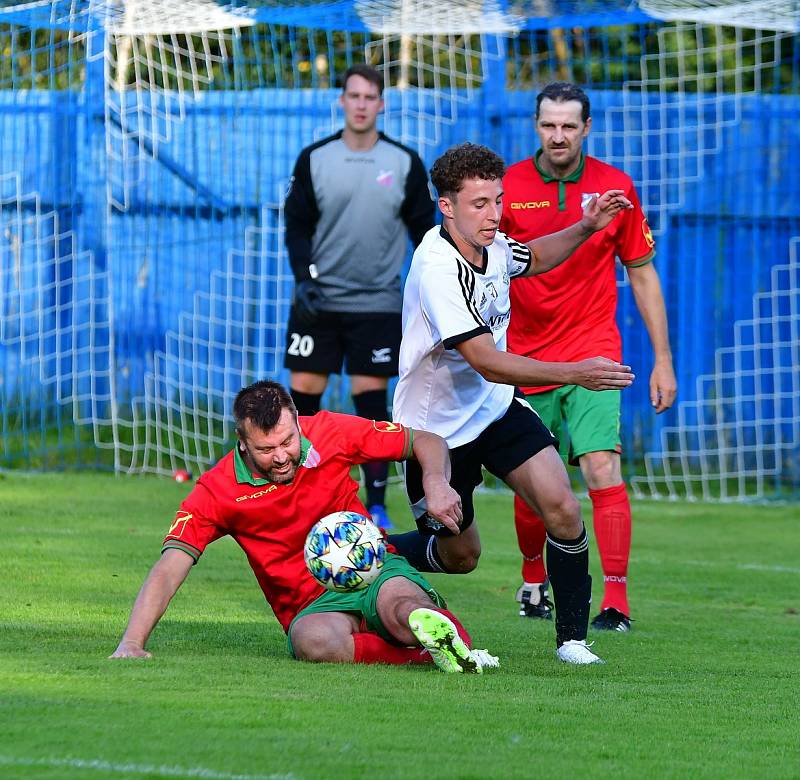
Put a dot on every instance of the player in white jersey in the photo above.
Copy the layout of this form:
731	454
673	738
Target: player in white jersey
457	380
447	301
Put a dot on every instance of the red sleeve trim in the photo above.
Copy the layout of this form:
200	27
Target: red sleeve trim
636	263
408	449
174	544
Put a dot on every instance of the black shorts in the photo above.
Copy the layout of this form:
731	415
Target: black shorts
507	443
369	343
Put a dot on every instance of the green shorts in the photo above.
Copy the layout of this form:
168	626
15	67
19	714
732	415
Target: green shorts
582	420
365	602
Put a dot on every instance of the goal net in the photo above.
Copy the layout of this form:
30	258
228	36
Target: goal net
145	149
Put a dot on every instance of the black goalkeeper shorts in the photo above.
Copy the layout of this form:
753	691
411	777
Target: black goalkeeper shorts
366	344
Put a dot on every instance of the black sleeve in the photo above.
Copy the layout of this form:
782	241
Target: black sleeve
453	341
418	210
302	215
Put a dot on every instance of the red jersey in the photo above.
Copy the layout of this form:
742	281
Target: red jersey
270	522
569	313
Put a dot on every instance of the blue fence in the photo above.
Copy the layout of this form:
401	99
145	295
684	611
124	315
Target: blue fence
224	167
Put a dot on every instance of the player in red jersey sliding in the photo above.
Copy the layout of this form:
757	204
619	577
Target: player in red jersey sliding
285	474
568	314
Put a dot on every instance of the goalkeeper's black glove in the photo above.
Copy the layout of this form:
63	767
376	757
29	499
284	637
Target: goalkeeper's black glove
307	299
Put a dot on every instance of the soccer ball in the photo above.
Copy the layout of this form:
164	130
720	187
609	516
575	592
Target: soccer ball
345	551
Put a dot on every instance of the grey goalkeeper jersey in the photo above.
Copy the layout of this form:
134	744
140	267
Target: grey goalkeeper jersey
350	213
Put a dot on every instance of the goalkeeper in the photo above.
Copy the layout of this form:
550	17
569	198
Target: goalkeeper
268	493
354	199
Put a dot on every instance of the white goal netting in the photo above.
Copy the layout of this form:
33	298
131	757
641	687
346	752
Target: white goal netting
146	146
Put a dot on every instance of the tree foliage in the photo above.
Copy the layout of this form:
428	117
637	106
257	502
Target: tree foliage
671	57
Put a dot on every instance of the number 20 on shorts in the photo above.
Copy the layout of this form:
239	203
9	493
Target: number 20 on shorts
301	345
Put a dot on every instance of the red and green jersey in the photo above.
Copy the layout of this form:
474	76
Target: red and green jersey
270	522
569	313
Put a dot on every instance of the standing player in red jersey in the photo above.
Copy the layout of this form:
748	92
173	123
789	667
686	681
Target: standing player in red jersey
267	494
569	314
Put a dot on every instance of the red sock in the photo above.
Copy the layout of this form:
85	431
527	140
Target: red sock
531	536
612	528
372	649
369	648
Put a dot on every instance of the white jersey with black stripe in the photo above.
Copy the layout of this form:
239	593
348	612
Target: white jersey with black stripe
447	301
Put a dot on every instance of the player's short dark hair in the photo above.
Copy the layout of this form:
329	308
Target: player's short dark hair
561	92
262	403
465	161
366	72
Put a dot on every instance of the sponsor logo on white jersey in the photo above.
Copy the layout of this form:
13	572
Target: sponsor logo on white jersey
498	321
385	178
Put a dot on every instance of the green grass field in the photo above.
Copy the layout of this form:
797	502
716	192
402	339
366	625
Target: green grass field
704	686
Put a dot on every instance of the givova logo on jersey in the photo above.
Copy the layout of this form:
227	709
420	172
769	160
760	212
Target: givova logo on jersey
525	205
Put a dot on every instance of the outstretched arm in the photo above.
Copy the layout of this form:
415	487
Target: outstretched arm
442	502
650	302
161	585
550	251
597	373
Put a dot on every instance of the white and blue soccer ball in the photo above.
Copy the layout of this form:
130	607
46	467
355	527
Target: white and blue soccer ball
345	551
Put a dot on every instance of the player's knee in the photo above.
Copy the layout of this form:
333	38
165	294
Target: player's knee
323	649
563	517
601	469
320	646
309	383
464	565
460	561
395	619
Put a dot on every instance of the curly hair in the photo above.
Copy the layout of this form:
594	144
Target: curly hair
262	403
465	161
